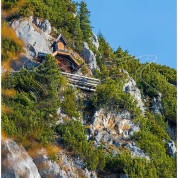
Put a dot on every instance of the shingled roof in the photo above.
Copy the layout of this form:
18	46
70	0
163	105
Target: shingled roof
63	38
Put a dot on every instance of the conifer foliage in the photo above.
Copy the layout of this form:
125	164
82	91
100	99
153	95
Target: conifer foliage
30	98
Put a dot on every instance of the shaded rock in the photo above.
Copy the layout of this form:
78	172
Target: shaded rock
122	125
89	56
110	176
89	174
91	131
107	138
46	27
172	130
23	61
124	176
125	114
133	128
125	134
136	151
117	143
171	148
16	162
156	105
36	21
99	136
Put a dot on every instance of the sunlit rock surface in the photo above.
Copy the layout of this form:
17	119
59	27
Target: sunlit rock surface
16	162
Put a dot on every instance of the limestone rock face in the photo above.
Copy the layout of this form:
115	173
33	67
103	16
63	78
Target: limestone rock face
135	151
89	174
35	39
95	41
48	168
16	162
130	87
115	129
46	27
117	123
89	56
171	148
66	166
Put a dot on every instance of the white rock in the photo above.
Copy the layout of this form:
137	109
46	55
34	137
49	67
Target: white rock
34	38
136	151
95	41
16	162
89	56
130	87
171	148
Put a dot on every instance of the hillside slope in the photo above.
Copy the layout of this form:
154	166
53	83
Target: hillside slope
125	128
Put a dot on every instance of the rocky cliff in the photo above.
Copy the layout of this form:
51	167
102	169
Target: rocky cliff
17	163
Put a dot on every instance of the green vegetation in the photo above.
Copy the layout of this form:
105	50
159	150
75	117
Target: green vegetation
11	45
30	99
8	44
110	96
152	138
35	102
74	136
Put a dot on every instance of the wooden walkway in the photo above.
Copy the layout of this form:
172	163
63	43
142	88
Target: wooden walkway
82	82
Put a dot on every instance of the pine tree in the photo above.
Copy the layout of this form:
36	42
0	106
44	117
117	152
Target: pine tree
78	35
84	15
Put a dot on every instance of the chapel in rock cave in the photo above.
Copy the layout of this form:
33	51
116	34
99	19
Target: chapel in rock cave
64	58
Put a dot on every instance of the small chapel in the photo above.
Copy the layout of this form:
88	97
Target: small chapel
65	60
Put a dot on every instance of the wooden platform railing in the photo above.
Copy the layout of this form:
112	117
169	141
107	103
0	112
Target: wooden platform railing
80	81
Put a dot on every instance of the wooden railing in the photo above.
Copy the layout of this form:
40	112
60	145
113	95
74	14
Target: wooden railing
82	82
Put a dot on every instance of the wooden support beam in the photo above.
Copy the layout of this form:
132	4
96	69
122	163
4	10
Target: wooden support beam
81	76
80	83
84	88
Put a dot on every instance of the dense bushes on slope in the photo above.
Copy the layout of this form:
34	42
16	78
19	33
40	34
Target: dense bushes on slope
30	98
152	78
74	136
153	138
35	102
110	95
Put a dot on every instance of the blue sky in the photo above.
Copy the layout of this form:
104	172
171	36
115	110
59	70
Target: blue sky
141	26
